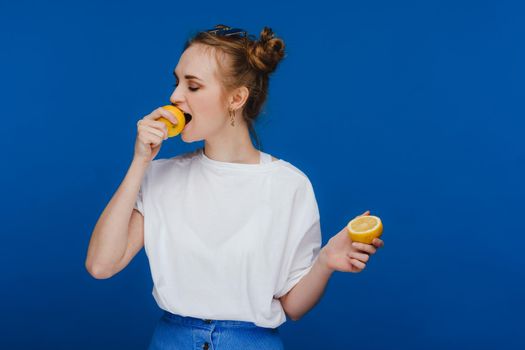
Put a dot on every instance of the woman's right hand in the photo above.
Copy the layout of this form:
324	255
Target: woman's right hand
151	133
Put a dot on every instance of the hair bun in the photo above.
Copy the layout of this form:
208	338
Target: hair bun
265	53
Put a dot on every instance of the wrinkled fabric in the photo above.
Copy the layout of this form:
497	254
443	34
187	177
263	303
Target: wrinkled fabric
226	240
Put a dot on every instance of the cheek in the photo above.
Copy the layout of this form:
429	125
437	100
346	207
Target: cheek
207	119
201	127
207	107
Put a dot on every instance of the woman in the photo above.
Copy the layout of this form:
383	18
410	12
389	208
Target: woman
232	234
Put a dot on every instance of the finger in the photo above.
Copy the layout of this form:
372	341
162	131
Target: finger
162	112
154	123
366	213
370	249
161	126
358	264
359	256
351	266
157	125
168	115
152	130
378	243
156	140
152	116
151	139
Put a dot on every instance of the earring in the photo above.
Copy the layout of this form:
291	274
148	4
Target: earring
232	117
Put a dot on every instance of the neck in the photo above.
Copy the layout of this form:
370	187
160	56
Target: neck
233	145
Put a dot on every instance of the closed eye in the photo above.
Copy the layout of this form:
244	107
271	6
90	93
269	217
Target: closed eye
189	87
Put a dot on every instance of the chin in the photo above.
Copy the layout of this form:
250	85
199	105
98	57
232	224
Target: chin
188	138
185	138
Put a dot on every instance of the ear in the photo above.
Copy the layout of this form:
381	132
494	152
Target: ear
238	97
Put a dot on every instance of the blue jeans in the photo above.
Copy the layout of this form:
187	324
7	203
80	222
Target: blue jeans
189	333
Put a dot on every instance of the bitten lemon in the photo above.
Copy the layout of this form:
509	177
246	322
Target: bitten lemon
365	228
174	129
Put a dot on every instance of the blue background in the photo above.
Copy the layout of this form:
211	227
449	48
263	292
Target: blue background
411	109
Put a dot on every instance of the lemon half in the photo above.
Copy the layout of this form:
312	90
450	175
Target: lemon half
365	228
174	129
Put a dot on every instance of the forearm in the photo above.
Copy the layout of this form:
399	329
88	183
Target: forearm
108	241
307	293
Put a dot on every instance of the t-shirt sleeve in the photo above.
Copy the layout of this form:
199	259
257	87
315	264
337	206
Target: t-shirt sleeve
304	243
139	201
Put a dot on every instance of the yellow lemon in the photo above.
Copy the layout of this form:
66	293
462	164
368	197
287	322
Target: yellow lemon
174	129
365	228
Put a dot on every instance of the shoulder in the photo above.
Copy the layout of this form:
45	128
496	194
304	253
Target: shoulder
180	159
300	190
292	170
294	176
159	167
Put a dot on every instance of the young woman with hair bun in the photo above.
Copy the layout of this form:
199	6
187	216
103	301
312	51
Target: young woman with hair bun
232	234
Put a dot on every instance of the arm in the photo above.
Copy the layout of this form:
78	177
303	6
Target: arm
339	254
308	291
119	231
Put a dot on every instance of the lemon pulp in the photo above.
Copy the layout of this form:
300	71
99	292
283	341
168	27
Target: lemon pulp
365	228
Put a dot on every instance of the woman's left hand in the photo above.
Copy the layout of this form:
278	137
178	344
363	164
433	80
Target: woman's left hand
341	254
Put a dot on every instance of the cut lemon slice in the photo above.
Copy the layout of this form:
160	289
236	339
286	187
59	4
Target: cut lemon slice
365	228
174	129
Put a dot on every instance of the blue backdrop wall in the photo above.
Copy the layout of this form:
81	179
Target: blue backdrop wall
411	109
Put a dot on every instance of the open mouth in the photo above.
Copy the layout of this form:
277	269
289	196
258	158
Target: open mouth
187	117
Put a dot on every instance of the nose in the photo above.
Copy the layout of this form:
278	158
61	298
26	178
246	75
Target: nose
177	98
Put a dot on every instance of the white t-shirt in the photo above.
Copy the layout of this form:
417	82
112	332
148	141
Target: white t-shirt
224	240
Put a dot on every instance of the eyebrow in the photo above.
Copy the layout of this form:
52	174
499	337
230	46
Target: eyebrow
187	76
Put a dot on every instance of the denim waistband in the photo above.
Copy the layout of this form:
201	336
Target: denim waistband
193	321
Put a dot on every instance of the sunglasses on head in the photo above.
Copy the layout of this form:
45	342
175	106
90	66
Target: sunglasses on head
223	30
